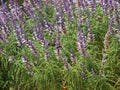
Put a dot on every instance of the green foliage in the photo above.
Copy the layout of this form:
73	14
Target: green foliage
52	75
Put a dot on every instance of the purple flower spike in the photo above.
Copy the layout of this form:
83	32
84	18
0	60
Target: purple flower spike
27	63
93	72
2	51
84	67
93	7
62	22
40	20
72	9
79	13
46	51
67	10
116	13
32	47
111	8
58	44
118	30
66	65
102	64
2	39
84	6
105	6
4	18
73	58
110	26
23	34
81	42
43	41
90	34
17	33
24	59
83	75
34	33
40	34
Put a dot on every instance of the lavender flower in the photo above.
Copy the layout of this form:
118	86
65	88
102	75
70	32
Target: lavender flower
119	1
117	17
46	51
23	35
84	67
4	18
102	1
78	3
2	51
93	7
62	22
40	20
90	34
80	45
66	65
36	3
110	25
102	4
72	9
93	72
43	41
102	64
66	8
84	6
107	35
2	39
83	75
34	33
81	42
111	8
28	65
49	26
119	34
24	59
73	58
65	5
116	13
105	6
79	12
58	45
30	11
17	33
40	34
32	47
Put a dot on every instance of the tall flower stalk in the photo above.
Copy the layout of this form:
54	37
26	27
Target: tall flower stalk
58	44
101	72
81	42
27	64
93	3
66	65
117	18
32	47
107	35
44	42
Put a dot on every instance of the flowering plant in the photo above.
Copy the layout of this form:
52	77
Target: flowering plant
48	45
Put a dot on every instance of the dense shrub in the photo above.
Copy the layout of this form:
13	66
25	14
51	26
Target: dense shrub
48	46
